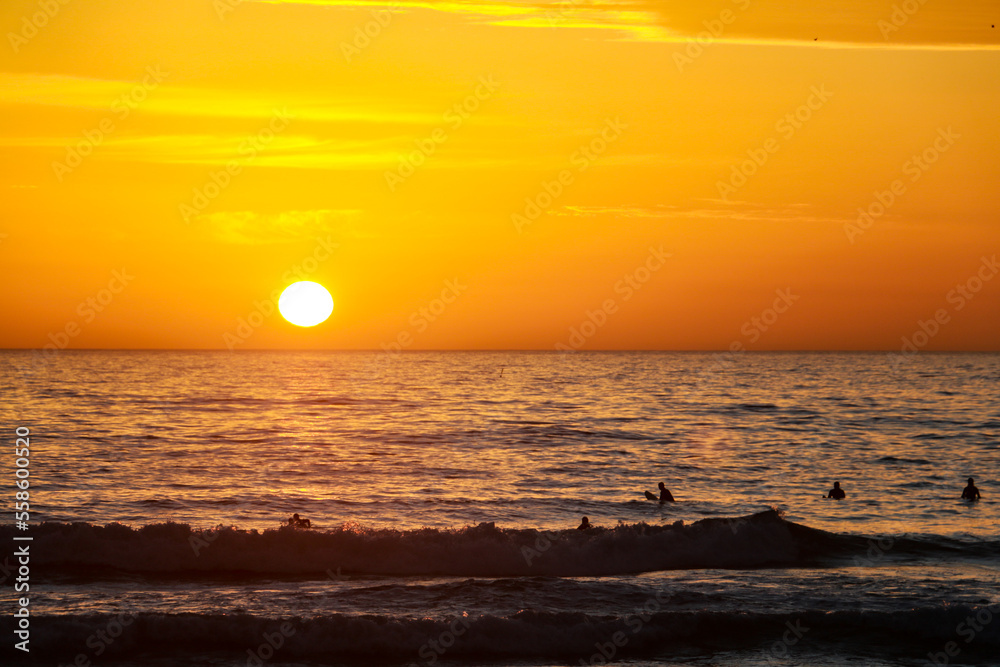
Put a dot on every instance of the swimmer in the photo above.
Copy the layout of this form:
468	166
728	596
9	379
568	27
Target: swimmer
836	492
970	492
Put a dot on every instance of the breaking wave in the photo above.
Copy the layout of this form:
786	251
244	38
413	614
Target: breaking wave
763	539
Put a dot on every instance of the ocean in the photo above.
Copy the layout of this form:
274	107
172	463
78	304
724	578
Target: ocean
445	489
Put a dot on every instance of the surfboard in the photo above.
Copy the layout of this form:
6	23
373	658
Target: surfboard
650	496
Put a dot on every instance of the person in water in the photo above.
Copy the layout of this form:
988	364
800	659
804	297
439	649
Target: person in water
585	524
665	496
296	522
970	492
836	492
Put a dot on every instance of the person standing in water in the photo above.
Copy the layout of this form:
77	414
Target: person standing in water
585	524
970	492
836	492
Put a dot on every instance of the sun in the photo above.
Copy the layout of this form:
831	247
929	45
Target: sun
305	303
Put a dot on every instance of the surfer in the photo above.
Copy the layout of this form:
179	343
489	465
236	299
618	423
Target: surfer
970	492
665	496
836	492
296	522
585	524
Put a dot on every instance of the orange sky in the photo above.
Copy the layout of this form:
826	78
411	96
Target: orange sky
167	165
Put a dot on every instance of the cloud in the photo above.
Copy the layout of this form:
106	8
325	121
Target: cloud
960	24
253	228
621	16
737	211
95	94
324	130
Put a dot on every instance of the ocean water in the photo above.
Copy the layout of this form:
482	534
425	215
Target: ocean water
445	489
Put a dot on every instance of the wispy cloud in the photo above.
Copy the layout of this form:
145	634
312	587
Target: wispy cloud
102	94
854	24
253	228
738	211
621	16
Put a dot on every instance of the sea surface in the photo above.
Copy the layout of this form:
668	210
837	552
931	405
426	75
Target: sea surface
445	489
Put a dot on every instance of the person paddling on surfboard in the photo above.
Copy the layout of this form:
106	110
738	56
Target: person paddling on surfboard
665	496
971	492
296	522
836	492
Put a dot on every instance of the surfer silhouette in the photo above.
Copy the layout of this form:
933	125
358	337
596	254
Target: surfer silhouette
296	522
585	524
836	492
665	496
970	492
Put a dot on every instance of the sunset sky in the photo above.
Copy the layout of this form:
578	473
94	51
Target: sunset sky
169	166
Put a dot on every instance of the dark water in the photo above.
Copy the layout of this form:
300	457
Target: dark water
446	488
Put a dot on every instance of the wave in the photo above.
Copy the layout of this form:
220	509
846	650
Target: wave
534	634
759	540
899	459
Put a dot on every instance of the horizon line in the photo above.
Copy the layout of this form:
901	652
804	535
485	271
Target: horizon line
346	349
